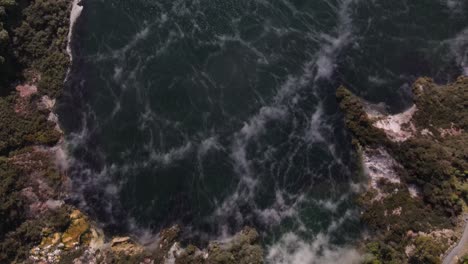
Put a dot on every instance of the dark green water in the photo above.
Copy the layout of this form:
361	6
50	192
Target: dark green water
220	114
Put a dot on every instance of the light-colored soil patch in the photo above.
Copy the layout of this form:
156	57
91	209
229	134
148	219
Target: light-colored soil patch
378	164
22	101
26	90
452	131
397	127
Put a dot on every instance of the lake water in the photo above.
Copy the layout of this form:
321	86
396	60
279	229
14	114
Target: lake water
220	114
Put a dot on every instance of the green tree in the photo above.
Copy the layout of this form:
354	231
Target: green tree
427	251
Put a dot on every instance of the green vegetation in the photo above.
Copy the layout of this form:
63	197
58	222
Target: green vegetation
392	218
426	251
33	36
8	65
16	244
441	106
397	213
40	42
18	233
439	168
19	130
464	259
436	163
11	204
439	164
243	249
356	120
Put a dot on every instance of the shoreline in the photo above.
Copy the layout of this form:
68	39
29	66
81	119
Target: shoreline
75	13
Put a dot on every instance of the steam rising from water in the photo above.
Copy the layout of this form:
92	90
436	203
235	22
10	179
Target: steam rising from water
460	49
74	14
292	249
223	115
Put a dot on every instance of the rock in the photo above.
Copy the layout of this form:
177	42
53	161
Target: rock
243	248
50	240
78	232
54	204
191	254
166	240
125	245
168	236
397	127
46	103
79	237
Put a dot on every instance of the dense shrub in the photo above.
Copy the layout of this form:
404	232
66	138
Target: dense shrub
427	251
8	65
441	106
379	216
356	120
11	204
33	35
379	252
439	168
21	130
40	42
